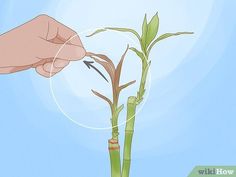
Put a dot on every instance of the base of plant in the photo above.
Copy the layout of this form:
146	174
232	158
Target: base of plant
114	151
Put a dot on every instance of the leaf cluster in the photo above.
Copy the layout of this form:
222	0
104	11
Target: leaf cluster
114	74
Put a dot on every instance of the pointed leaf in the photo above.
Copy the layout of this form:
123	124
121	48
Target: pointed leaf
164	36
107	67
129	30
101	56
152	29
105	62
126	85
96	32
144	32
103	97
119	67
138	53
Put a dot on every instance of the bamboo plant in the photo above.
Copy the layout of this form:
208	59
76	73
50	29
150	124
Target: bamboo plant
114	73
147	40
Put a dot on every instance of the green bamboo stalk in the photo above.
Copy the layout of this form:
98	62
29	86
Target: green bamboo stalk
114	151
147	42
114	73
129	130
132	103
148	39
114	147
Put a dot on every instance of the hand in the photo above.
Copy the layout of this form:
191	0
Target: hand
36	43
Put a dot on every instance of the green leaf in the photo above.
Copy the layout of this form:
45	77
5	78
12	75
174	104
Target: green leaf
125	30
96	32
144	32
153	27
138	53
164	36
149	31
115	29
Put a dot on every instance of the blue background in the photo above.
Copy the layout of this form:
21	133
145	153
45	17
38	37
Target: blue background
198	129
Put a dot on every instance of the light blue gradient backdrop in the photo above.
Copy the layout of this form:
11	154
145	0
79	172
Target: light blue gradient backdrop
188	120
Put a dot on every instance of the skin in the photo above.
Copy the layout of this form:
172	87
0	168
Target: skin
36	43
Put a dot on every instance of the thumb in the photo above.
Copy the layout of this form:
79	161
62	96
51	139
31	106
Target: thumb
63	51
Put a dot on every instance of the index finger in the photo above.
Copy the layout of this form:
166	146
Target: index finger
63	33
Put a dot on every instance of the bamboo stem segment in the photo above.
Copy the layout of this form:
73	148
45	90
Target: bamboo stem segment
114	147
129	130
133	102
114	151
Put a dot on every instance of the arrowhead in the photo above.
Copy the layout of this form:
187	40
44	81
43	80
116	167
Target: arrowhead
88	63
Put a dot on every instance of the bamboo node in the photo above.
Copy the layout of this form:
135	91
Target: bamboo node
113	141
129	131
126	160
114	148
